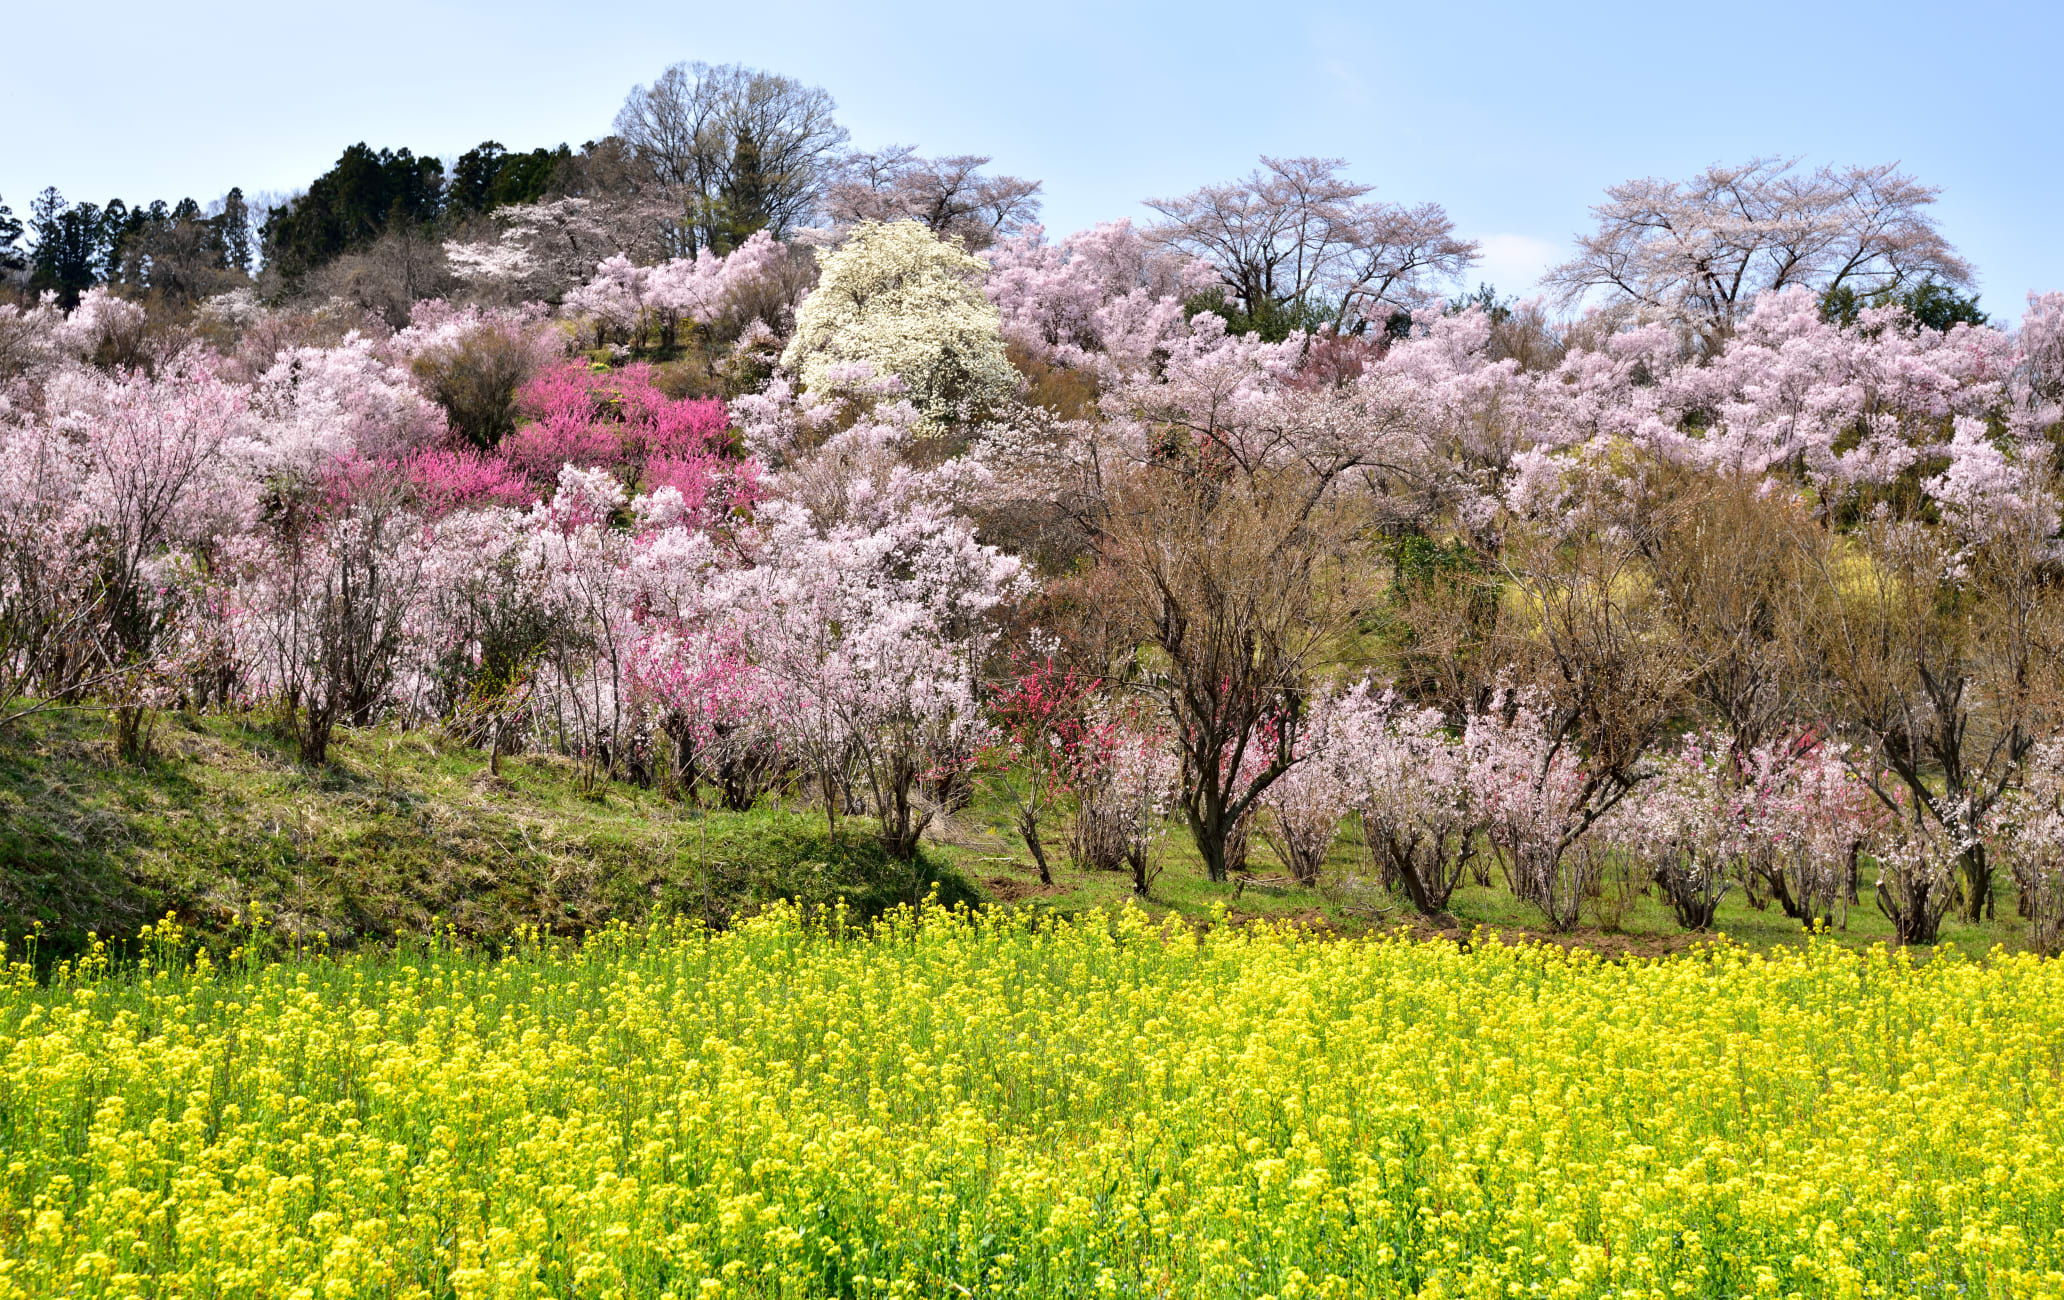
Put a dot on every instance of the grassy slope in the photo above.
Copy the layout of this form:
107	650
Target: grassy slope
402	833
397	835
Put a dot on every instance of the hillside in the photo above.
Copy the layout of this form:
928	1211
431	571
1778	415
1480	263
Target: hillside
398	834
403	833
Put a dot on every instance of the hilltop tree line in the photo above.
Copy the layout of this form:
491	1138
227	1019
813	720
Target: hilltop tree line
702	158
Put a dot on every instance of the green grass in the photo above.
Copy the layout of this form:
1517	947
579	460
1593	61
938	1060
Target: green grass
405	833
1347	901
401	834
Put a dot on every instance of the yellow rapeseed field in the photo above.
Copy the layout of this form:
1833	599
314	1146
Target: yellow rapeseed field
957	1106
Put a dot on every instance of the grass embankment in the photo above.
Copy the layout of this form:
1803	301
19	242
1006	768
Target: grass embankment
401	834
404	833
960	1107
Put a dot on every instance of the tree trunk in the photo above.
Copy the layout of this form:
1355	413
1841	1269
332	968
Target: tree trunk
1028	828
132	732
1976	870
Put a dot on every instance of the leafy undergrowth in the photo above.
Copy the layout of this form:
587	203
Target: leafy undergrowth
401	834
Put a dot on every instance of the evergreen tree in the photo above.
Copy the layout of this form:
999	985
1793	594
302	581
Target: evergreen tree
745	199
348	207
233	226
11	258
488	176
473	177
71	246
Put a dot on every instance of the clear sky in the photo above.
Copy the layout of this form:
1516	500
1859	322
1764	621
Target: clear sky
1515	116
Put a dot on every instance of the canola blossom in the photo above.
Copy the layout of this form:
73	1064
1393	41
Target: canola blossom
952	1105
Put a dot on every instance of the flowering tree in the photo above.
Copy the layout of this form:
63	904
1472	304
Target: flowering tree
1297	244
1104	298
324	602
1040	718
48	604
1307	802
876	637
1687	827
950	197
620	421
1125	777
544	250
1808	817
1700	252
717	706
317	406
1411	785
2030	835
155	471
907	304
1541	799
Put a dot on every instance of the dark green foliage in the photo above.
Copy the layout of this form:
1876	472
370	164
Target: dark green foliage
1931	303
171	249
11	256
351	205
1486	300
745	200
1418	563
233	228
1273	321
476	383
71	246
489	177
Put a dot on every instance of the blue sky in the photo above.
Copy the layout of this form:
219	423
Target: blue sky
1514	116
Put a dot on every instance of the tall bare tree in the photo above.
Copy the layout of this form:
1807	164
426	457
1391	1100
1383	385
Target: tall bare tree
950	196
738	149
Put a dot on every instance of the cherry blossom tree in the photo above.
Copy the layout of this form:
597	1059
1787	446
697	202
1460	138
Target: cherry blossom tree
324	599
1307	802
951	197
877	638
1808	817
1541	800
1686	827
1699	253
2030	837
160	477
1411	785
1107	297
1295	244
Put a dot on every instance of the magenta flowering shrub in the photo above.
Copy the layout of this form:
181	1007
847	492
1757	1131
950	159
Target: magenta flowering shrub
448	479
575	415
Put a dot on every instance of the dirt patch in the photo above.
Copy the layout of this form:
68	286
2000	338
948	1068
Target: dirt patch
1612	947
1015	889
1311	920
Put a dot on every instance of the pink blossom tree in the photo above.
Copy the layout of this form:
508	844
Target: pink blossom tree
1411	785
